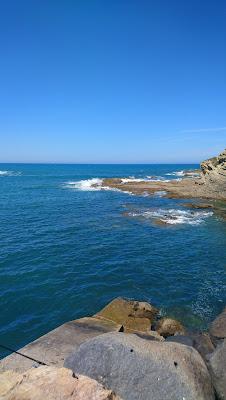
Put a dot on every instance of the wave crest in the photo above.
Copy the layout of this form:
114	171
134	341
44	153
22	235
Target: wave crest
173	216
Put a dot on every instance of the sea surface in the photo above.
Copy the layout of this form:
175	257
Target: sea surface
68	247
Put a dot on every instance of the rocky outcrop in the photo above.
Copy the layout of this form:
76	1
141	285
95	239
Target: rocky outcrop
51	383
217	367
132	315
169	327
138	369
210	184
215	166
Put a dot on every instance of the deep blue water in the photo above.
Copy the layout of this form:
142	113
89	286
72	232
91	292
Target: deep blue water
66	252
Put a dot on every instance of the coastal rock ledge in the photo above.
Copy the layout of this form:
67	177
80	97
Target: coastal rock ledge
126	351
208	183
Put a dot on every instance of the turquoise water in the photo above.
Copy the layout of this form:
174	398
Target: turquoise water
67	249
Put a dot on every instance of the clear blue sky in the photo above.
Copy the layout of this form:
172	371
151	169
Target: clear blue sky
112	80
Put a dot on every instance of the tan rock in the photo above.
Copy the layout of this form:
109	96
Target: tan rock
169	327
51	383
133	315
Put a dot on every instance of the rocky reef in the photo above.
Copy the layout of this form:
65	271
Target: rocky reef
126	351
210	183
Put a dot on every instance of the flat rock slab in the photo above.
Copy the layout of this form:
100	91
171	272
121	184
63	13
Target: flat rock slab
133	315
218	326
51	383
139	369
55	346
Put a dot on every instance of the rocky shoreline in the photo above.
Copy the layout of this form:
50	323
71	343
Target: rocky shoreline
126	351
210	183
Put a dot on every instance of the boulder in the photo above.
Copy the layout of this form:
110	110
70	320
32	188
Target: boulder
133	315
169	327
218	326
139	369
51	383
217	368
203	344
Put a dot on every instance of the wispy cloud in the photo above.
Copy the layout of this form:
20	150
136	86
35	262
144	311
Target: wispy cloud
204	130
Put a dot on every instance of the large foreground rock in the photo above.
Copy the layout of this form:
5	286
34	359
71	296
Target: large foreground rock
138	369
217	367
51	383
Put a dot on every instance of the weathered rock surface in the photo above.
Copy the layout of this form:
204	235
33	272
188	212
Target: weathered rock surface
217	367
55	346
215	166
169	327
139	369
218	326
133	315
51	383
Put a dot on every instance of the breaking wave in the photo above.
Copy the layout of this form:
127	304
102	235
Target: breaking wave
173	216
183	173
10	173
94	184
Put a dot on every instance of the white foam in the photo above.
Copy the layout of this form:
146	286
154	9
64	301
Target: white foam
93	184
160	193
173	216
183	173
128	180
147	179
9	173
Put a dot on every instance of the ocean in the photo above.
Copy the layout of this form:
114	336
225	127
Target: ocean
67	248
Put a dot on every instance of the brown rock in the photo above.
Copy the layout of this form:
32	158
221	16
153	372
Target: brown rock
197	206
169	327
218	326
51	383
133	315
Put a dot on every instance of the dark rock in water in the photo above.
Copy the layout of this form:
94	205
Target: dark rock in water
182	339
139	369
169	327
197	206
217	368
218	326
133	315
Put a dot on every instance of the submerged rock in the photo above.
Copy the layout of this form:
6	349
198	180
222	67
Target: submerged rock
217	367
197	206
133	315
51	383
169	327
139	369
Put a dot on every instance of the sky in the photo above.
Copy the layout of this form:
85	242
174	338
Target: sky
112	81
